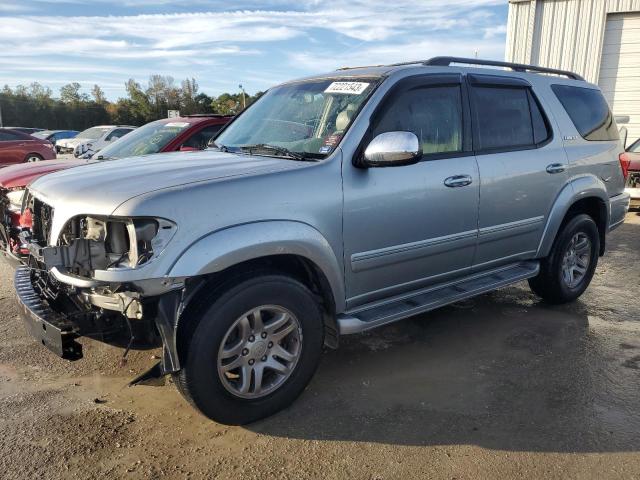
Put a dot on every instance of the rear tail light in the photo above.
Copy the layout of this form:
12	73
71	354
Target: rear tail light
625	163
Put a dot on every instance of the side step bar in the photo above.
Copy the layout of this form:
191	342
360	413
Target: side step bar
422	301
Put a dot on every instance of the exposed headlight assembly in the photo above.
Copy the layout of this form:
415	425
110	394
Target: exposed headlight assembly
108	243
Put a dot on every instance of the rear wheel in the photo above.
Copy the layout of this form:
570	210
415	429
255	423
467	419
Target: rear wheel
566	273
253	349
33	157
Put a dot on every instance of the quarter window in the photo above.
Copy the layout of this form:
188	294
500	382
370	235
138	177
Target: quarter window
588	111
433	113
506	118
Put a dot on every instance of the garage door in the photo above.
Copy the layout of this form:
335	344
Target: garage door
620	68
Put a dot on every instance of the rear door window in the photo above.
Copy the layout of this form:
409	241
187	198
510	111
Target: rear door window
588	111
506	118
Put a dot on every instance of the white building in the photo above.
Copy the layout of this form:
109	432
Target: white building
598	39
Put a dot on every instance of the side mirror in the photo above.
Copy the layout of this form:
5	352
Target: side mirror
623	136
393	149
185	148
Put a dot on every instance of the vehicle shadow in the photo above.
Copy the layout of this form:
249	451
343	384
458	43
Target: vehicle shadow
502	371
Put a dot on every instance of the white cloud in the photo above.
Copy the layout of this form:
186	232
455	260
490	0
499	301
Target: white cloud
496	31
308	36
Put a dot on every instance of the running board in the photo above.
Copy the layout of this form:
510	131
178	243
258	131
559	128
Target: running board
422	301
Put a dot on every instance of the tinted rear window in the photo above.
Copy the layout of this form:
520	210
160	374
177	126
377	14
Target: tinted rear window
588	111
507	118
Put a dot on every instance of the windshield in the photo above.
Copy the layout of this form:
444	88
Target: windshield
306	119
93	133
635	148
150	138
43	134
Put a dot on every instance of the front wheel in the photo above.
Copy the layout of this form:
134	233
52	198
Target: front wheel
567	272
253	349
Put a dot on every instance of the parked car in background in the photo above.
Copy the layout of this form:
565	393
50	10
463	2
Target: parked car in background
93	138
631	161
166	135
54	135
18	147
27	130
188	133
333	205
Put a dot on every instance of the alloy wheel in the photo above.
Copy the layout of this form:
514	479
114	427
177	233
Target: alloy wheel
576	259
259	351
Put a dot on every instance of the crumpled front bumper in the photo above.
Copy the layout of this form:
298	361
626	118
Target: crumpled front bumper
50	328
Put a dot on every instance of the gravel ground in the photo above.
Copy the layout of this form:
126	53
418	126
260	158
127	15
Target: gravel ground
502	386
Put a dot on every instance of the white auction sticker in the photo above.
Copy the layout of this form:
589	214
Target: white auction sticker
350	88
177	124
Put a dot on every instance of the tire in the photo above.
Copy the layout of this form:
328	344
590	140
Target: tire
33	157
553	283
219	395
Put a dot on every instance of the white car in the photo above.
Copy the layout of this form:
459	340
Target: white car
93	139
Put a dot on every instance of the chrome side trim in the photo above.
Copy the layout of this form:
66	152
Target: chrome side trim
487	234
410	251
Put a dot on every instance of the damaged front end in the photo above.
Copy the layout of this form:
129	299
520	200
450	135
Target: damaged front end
15	225
84	284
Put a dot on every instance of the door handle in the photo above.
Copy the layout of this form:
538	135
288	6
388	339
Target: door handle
458	181
555	168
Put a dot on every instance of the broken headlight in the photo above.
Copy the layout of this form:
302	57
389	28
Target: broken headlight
102	243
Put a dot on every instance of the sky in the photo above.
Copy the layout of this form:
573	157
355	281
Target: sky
224	43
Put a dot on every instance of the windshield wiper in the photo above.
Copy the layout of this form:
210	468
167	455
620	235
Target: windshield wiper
278	150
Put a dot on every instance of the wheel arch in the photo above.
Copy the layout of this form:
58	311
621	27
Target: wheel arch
586	194
291	248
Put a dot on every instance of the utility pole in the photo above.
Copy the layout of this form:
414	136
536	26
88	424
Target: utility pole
244	102
1	116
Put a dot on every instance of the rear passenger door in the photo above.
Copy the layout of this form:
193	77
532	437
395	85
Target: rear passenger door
522	167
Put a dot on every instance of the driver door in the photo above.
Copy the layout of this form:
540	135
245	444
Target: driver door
409	227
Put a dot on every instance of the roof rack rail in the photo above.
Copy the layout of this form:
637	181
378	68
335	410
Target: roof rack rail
518	67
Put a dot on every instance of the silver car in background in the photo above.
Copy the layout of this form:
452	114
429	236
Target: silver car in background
333	205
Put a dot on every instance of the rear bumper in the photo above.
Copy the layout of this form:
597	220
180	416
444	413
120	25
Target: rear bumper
619	205
49	328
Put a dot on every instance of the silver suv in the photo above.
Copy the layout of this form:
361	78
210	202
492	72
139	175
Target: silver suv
335	204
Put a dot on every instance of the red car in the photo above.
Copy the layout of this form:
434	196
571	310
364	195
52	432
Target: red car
630	161
18	147
167	135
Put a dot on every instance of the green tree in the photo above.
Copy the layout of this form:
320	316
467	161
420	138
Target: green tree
98	94
70	93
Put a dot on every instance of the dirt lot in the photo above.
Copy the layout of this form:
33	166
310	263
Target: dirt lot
499	387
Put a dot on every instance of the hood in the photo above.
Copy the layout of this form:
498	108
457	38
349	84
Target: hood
99	188
16	176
